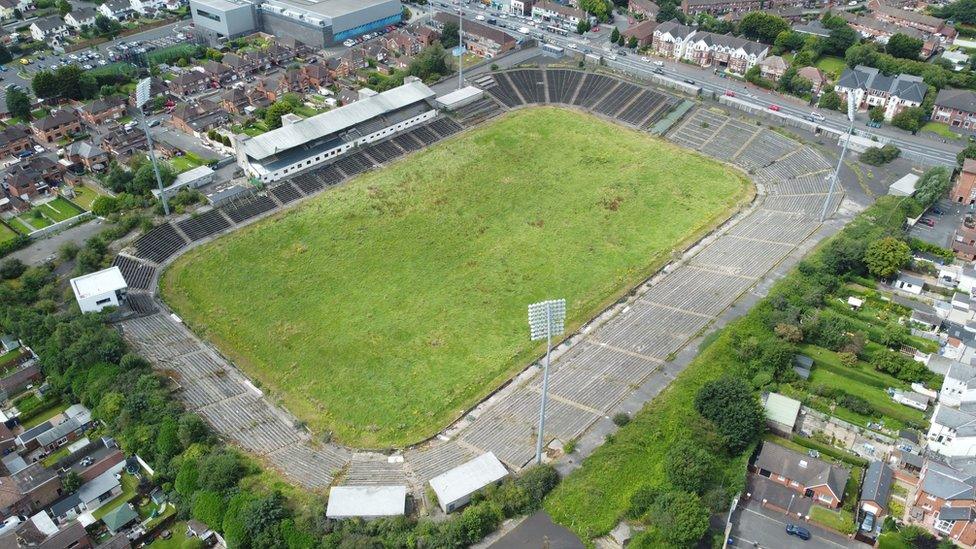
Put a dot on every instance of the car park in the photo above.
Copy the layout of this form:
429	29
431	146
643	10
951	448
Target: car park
928	222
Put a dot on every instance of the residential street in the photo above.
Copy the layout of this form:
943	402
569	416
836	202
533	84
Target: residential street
755	526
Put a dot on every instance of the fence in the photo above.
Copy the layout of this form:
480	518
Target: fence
61	225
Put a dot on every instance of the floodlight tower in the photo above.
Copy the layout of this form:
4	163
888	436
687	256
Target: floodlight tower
459	50
840	161
142	97
546	318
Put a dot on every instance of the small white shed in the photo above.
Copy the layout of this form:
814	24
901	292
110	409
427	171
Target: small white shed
95	291
366	502
455	487
904	186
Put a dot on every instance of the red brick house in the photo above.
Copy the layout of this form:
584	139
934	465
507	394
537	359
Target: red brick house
350	61
964	190
57	125
808	476
202	116
14	140
643	9
964	241
815	76
318	75
956	108
29	490
946	501
482	40
102	110
643	32
188	83
911	19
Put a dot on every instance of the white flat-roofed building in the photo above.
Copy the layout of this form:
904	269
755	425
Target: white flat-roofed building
324	137
905	186
190	179
95	291
455	487
459	98
366	502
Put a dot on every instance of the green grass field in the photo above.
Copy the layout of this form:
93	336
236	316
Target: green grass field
391	305
6	233
833	66
186	162
84	196
60	209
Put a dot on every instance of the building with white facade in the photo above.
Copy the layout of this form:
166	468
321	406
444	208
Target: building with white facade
558	15
671	38
366	502
869	88
98	290
48	28
455	487
325	137
81	17
953	430
723	51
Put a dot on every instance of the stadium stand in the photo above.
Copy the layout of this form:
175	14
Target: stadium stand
160	243
137	274
246	209
285	193
204	225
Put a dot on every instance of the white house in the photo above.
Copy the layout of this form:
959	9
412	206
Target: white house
953	431
868	88
48	28
119	10
737	55
671	38
558	15
911	399
909	283
144	7
967	279
95	291
81	17
958	384
366	502
455	487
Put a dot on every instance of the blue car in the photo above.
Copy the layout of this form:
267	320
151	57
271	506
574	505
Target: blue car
798	531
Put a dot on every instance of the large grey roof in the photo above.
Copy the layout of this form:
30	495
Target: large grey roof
963	100
100	484
674	28
963	423
321	125
904	86
731	42
947	483
961	372
60	430
955	513
806	470
877	483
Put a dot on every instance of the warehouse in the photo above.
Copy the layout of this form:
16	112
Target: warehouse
318	23
455	487
325	137
98	290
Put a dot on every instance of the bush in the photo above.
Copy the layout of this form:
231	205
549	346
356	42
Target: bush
877	156
621	418
732	406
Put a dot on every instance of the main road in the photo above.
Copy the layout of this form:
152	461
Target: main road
708	80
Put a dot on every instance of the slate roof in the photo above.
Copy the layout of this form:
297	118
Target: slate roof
806	470
48	24
732	42
904	86
947	483
963	423
877	483
962	100
674	28
55	120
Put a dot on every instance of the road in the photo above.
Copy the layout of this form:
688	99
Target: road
710	82
755	526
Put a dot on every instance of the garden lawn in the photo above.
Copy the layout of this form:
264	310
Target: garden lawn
840	520
832	65
19	225
130	485
186	162
6	233
36	222
391	305
940	129
84	196
60	209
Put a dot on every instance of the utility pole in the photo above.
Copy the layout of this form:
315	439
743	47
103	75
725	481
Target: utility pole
142	97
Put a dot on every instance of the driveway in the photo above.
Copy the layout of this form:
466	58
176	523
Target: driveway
945	224
755	526
538	531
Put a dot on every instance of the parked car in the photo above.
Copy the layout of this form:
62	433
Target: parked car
798	531
689	81
775	108
658	70
927	221
817	116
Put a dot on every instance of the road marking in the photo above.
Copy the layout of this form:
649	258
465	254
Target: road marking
783	523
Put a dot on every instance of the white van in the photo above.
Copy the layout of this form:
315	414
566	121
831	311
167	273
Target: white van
659	63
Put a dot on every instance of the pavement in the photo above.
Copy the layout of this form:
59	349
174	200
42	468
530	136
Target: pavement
539	531
755	526
945	224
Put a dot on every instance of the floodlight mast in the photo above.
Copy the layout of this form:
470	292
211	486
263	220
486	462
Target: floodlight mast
553	313
142	97
840	161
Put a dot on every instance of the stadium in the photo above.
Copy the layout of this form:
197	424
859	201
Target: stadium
393	306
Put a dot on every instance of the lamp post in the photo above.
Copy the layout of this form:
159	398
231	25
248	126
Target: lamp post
840	161
546	318
142	97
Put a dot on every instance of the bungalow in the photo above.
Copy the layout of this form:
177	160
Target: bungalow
49	29
868	88
56	126
102	110
809	476
957	108
41	532
120	517
90	496
876	490
28	490
81	17
909	283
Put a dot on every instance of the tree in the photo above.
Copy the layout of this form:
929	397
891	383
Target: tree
582	26
632	42
689	467
669	10
106	26
191	429
909	119
12	268
45	85
5	56
829	100
861	54
968	152
788	40
145	178
904	46
71	482
600	9
730	404
762	26
876	113
877	156
208	507
839	40
272	117
221	470
886	256
932	186
614	35
64	7
680	518
961	11
19	104
449	35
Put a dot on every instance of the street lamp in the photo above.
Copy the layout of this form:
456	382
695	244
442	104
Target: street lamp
833	180
142	97
546	318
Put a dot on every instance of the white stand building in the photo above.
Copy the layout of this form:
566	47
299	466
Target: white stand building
455	487
95	291
366	502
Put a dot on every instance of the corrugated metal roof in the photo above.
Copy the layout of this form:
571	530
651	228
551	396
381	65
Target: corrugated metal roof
294	135
467	478
782	409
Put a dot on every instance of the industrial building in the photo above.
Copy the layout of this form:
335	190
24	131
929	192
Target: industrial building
318	23
98	290
325	137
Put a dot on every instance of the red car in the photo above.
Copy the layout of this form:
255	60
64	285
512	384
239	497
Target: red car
730	93
774	108
595	29
927	221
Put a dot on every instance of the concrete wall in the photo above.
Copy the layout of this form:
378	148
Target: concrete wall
233	22
312	35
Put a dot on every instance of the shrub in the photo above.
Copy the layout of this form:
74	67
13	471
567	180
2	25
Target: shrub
732	406
621	418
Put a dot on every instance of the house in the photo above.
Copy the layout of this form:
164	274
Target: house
351	61
102	110
958	59
117	10
91	495
120	517
643	32
188	83
403	43
147	7
671	38
908	283
487	41
7	8
218	73
56	126
25	187
911	399
876	490
520	7
557	15
100	289
773	67
953	430
877	30
964	240
92	157
239	64
945	499
732	53
49	29
198	117
958	384
781	413
809	476
197	529
28	490
14	140
868	88
957	108
40	532
815	76
122	143
234	100
964	189
455	487
814	28
317	75
81	17
366	502
912	19
643	9
26	374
